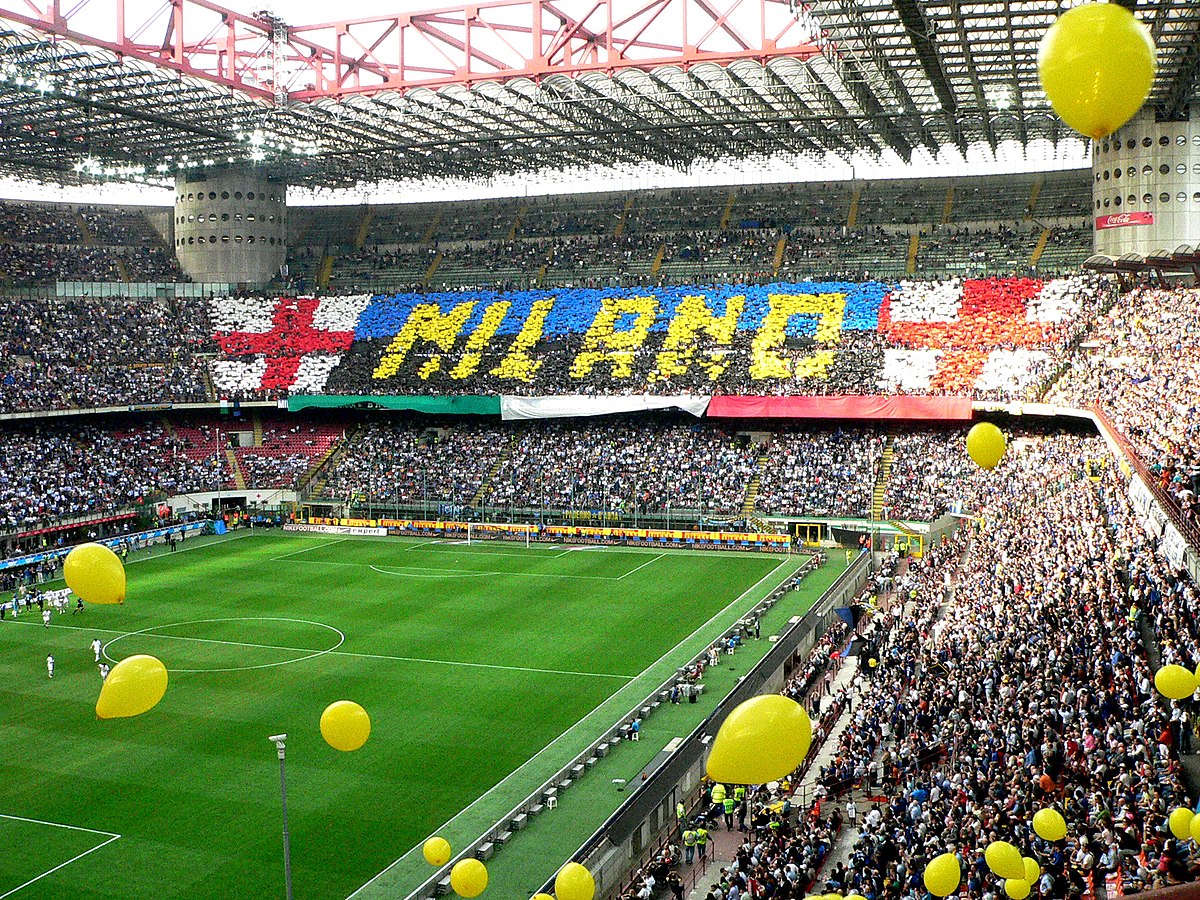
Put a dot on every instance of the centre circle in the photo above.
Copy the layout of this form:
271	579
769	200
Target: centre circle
153	630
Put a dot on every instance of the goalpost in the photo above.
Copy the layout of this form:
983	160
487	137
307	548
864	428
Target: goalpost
475	536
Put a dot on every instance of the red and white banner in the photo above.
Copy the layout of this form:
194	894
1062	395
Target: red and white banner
1120	220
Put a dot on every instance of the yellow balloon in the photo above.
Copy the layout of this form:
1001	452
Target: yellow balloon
1096	65
1180	822
943	875
1017	888
436	851
345	725
1004	860
1195	829
574	882
762	740
134	685
468	878
1049	825
985	445
542	897
95	574
1032	870
1175	682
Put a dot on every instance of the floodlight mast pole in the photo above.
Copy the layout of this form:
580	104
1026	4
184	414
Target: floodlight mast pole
280	747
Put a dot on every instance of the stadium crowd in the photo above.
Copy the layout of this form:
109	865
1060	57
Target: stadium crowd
395	463
92	352
624	468
1143	368
820	473
1029	686
56	471
929	471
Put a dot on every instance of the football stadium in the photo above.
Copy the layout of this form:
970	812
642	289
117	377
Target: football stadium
615	450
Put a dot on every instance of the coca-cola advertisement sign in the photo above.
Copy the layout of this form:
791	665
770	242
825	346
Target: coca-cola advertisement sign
1120	220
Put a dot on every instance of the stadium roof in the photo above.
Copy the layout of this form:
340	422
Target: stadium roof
135	89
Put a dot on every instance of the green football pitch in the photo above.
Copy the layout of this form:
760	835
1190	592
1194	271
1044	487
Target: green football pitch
484	668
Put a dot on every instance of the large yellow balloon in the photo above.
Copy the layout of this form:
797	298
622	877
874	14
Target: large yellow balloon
436	851
95	574
1096	64
1049	825
1032	870
1017	888
574	882
345	725
985	445
1195	829
468	878
134	685
942	875
1175	682
762	740
1180	822
1004	860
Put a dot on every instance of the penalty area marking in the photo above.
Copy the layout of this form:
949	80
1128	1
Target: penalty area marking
111	836
312	654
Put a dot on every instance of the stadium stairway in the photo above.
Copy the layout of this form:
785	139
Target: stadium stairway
364	226
427	237
1034	193
168	428
486	484
885	472
728	214
948	206
1043	239
620	229
312	483
517	222
239	477
658	260
89	239
256	420
751	498
325	271
780	249
914	241
433	267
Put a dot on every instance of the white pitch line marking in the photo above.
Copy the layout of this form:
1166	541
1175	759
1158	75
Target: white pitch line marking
642	566
147	632
306	549
110	835
312	654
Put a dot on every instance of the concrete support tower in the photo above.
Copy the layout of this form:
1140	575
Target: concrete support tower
1146	186
230	227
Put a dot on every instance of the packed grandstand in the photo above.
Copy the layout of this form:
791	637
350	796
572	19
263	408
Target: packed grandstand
449	436
1012	721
